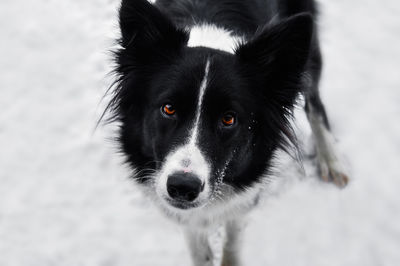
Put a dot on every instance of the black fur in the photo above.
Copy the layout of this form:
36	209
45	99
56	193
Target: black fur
259	83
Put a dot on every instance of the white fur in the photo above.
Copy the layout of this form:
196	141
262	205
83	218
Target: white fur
216	212
211	36
199	246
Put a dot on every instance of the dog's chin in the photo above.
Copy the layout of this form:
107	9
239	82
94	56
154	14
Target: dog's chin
182	205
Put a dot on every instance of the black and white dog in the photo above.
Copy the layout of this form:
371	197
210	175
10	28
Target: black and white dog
204	100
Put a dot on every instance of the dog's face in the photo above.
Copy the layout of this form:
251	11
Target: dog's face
200	127
197	122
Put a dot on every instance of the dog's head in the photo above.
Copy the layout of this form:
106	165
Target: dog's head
197	121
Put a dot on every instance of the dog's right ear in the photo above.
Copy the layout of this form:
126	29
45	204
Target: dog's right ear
148	36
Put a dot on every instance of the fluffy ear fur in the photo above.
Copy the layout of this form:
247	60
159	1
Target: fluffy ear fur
277	56
147	35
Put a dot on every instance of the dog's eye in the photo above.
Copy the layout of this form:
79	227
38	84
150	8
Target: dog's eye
228	119
168	109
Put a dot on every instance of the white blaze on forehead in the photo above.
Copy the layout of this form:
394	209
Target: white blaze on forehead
211	36
203	86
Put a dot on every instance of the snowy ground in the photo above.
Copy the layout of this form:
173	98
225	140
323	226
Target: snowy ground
65	199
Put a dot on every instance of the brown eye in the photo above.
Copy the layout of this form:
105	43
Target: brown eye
168	109
228	119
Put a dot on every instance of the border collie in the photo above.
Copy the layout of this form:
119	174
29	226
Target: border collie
204	99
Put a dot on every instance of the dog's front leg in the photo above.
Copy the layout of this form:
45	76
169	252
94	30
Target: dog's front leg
200	249
231	256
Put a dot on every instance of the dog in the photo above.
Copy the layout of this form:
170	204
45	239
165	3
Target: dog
204	96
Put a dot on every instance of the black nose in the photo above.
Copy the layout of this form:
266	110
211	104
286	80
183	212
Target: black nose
183	186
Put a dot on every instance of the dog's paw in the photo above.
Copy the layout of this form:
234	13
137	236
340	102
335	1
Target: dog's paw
331	171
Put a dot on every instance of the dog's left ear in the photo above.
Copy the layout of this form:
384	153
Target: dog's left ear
148	36
277	55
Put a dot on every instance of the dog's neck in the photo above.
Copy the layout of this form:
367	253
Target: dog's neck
211	36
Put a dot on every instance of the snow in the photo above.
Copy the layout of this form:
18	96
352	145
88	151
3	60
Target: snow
65	199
